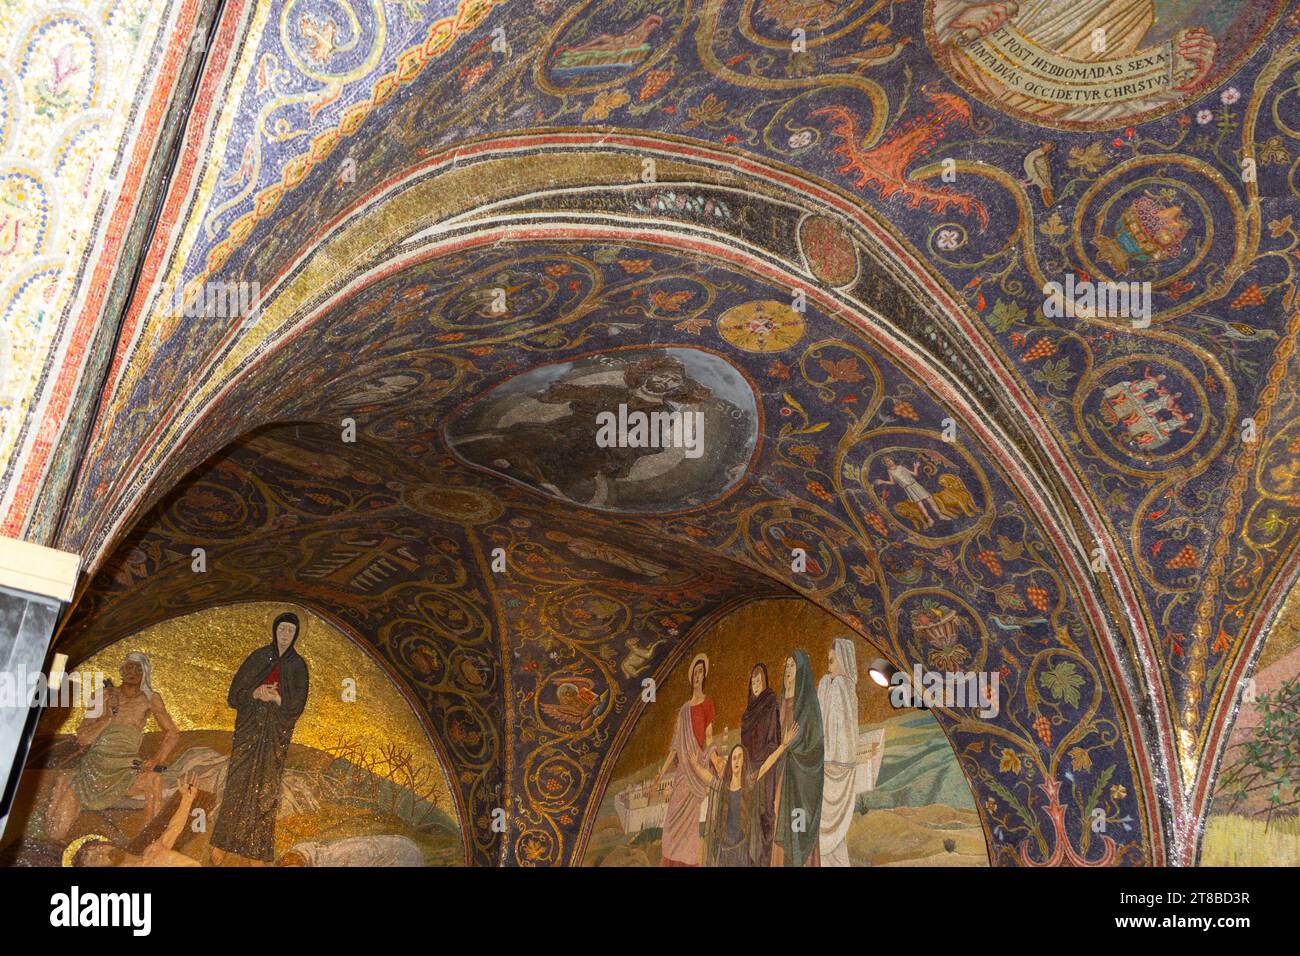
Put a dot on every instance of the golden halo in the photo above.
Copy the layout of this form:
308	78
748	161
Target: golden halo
695	660
75	846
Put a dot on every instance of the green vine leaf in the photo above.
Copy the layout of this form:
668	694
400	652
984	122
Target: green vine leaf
1062	682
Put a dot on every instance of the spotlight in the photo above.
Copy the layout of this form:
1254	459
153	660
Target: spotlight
880	671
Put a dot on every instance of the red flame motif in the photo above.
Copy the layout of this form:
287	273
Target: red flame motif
883	167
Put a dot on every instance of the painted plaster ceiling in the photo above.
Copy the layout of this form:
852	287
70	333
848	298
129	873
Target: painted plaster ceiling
444	205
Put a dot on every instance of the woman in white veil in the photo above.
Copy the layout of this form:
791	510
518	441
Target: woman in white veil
837	696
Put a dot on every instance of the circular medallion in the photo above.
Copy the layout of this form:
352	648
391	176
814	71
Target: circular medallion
912	480
600	46
801	540
1142	412
1170	227
1093	64
459	505
636	430
763	326
1278	471
941	631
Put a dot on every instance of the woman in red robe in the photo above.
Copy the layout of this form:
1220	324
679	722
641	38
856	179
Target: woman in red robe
689	753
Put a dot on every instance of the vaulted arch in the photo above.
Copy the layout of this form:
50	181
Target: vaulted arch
847	374
429	218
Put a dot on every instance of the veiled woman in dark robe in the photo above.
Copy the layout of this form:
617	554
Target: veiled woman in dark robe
802	770
268	694
760	734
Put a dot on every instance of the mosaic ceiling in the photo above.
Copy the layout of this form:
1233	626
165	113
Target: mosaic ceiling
82	109
852	234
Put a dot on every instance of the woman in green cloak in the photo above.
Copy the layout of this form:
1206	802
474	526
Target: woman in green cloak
802	773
